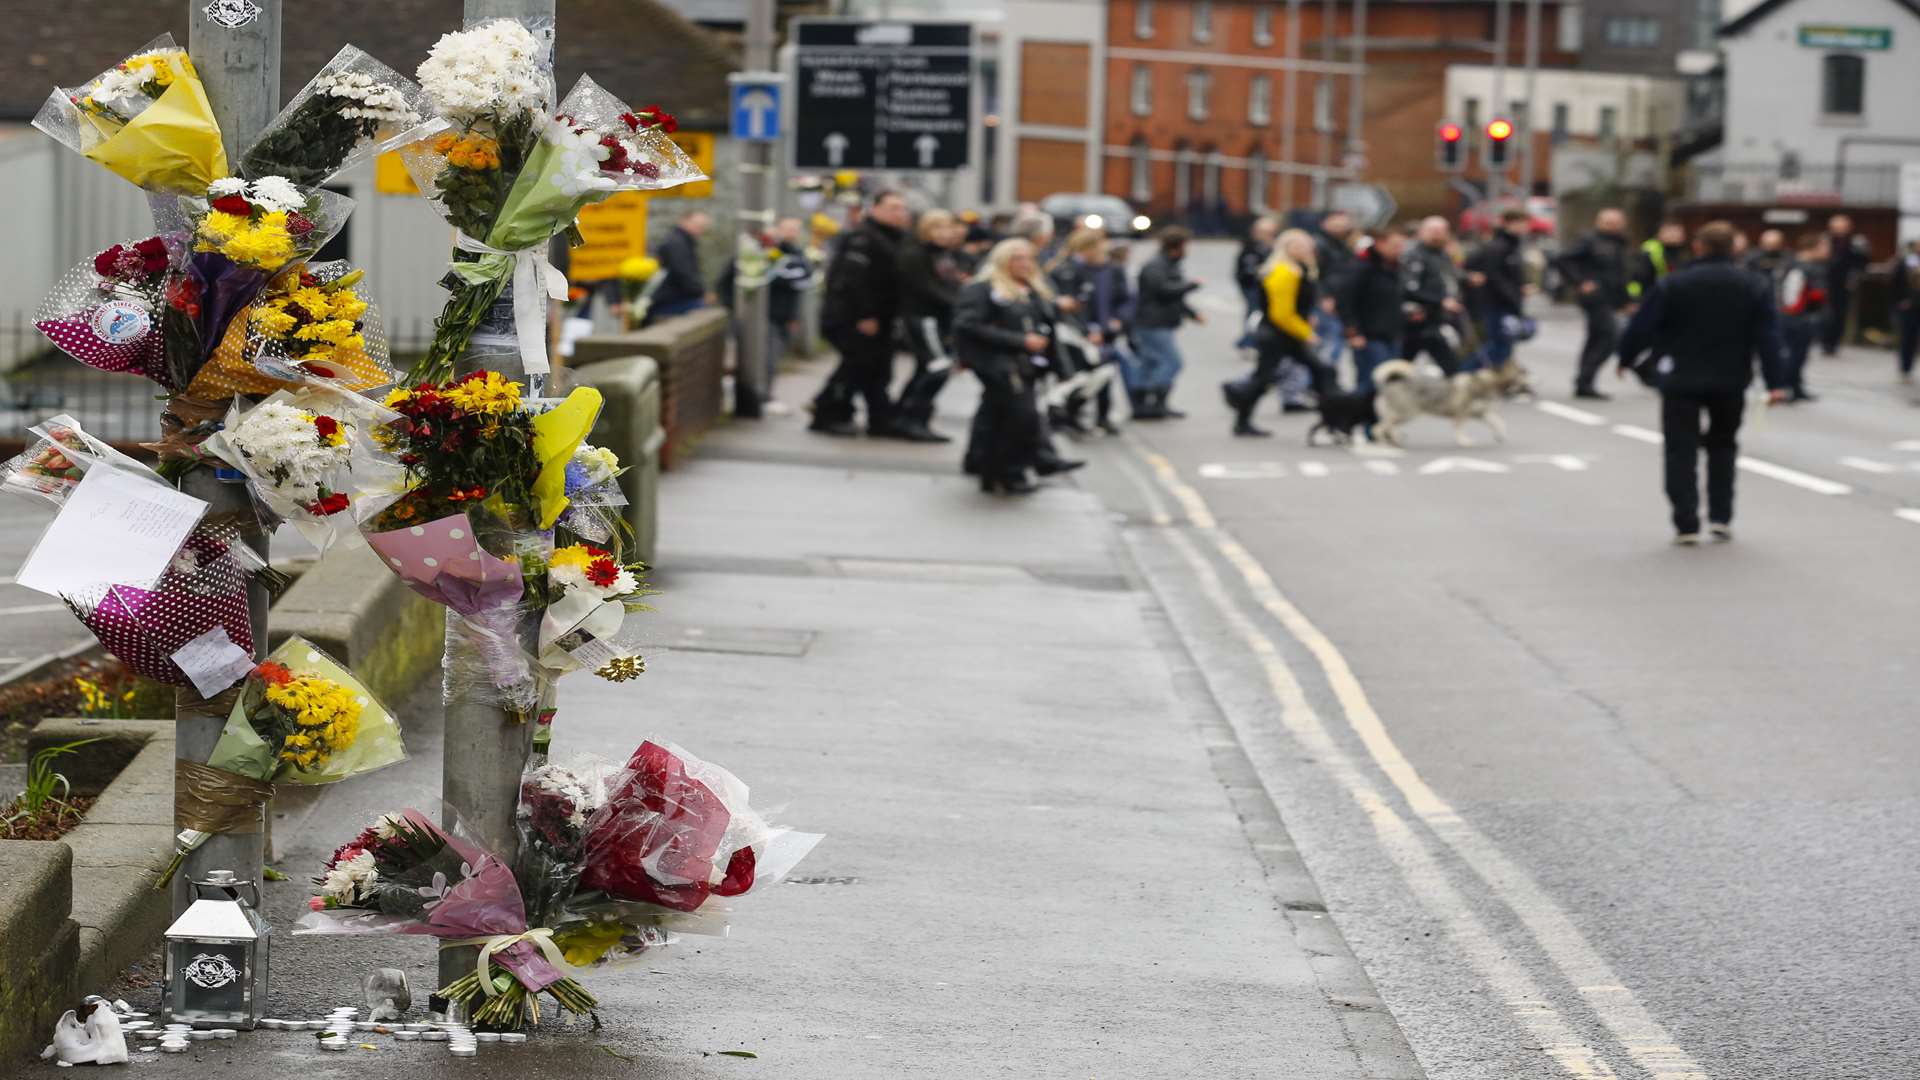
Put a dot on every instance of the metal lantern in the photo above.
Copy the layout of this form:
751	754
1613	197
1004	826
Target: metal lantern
217	956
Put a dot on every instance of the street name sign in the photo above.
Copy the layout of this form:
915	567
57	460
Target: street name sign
885	95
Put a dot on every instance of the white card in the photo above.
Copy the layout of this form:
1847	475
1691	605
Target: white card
115	529
212	662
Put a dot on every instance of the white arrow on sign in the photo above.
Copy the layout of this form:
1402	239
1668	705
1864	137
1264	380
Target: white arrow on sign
759	106
836	145
927	145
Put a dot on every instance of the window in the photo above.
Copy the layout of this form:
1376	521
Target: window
1257	182
1567	28
1143	18
1263	25
1633	31
1562	120
1140	169
1203	20
1260	100
1609	121
1199	89
1517	112
1183	162
1843	84
1472	113
1210	178
1140	91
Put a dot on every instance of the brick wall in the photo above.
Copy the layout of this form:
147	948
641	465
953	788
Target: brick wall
1050	165
1053	83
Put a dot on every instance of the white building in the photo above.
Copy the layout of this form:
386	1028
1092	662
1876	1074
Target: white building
1577	104
1822	100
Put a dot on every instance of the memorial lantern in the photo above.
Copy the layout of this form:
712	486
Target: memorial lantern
217	956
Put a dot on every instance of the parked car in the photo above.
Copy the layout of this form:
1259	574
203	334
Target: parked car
1093	211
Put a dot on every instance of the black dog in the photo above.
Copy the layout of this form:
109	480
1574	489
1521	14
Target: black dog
1340	414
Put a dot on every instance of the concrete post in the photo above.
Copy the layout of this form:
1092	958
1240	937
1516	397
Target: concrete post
241	68
487	747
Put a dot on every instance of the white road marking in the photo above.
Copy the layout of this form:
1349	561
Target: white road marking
1242	470
1907	513
1313	469
1640	433
1382	468
1568	412
1815	484
1569	462
1461	464
1907	444
34	609
1868	465
1644	1038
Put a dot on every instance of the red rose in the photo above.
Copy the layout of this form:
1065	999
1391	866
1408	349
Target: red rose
327	426
107	263
233	204
298	224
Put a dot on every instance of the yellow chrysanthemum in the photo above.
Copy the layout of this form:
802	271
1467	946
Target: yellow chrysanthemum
491	395
575	555
397	397
220	226
274	320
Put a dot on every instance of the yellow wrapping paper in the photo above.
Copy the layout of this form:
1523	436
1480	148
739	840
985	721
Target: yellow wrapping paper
171	147
557	433
228	371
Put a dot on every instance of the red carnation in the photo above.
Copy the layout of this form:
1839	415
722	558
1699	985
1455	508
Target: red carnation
233	204
153	254
107	263
273	673
602	572
632	121
616	154
328	504
327	426
647	169
655	116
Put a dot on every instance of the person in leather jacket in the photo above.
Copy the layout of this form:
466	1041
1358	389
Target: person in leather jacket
1432	284
1372	307
857	317
1083	293
1002	322
930	281
1596	268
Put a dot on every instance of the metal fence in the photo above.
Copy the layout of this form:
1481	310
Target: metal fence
1825	185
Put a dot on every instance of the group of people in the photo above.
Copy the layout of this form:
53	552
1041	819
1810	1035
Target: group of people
1392	294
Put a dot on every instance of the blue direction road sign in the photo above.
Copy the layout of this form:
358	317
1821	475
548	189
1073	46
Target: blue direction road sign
756	105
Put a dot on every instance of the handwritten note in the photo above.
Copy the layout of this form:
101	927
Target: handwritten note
115	529
212	662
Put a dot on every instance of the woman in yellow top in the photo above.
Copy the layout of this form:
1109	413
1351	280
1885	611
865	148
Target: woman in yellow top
1291	282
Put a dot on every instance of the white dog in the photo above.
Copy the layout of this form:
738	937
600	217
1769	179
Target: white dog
1405	391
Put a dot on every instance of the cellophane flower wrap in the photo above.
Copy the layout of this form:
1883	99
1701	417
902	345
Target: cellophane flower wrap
124	309
355	108
58	457
146	119
313	459
588	597
300	718
673	846
594	497
510	172
406	875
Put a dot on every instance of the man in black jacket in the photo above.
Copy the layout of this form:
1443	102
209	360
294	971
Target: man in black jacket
1497	274
930	282
1333	251
857	317
684	287
1158	311
1596	267
1696	336
1432	284
1372	308
1247	267
1846	261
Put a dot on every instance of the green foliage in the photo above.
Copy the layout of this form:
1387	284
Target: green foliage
311	145
42	783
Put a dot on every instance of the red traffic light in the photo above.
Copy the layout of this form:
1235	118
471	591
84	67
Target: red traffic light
1499	130
1451	132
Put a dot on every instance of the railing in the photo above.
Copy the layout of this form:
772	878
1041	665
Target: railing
1823	185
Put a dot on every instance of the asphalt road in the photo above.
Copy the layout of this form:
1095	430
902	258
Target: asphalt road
1585	804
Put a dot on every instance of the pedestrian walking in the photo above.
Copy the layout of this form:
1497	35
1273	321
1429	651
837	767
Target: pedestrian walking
1159	310
1333	254
1771	256
684	288
1696	337
930	281
1906	306
1249	269
1847	258
1659	255
1596	267
1079	280
1432	289
1497	294
1800	294
1114	306
1372	307
1284	336
857	317
1003	321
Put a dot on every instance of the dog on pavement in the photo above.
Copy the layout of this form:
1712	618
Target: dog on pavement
1406	391
1340	415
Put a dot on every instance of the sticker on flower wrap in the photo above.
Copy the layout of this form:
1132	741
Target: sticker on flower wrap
120	322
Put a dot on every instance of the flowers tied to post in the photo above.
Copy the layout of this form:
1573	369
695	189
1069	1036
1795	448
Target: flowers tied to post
297	452
314	322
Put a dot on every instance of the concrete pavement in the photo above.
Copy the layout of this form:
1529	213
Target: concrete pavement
1046	854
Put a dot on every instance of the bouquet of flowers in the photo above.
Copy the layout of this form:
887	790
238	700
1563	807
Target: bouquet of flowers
114	311
589	594
593	493
355	108
147	119
312	459
301	718
640	278
406	875
54	463
510	172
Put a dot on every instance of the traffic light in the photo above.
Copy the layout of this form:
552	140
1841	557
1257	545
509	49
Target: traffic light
1499	142
1450	146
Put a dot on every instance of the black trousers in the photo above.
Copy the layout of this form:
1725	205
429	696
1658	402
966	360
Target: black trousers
1908	322
1833	326
865	370
1272	350
932	366
1007	436
1680	422
1603	337
1428	338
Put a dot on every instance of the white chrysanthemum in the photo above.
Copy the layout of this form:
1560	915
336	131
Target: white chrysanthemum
283	446
388	826
597	462
351	880
277	193
491	68
226	185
